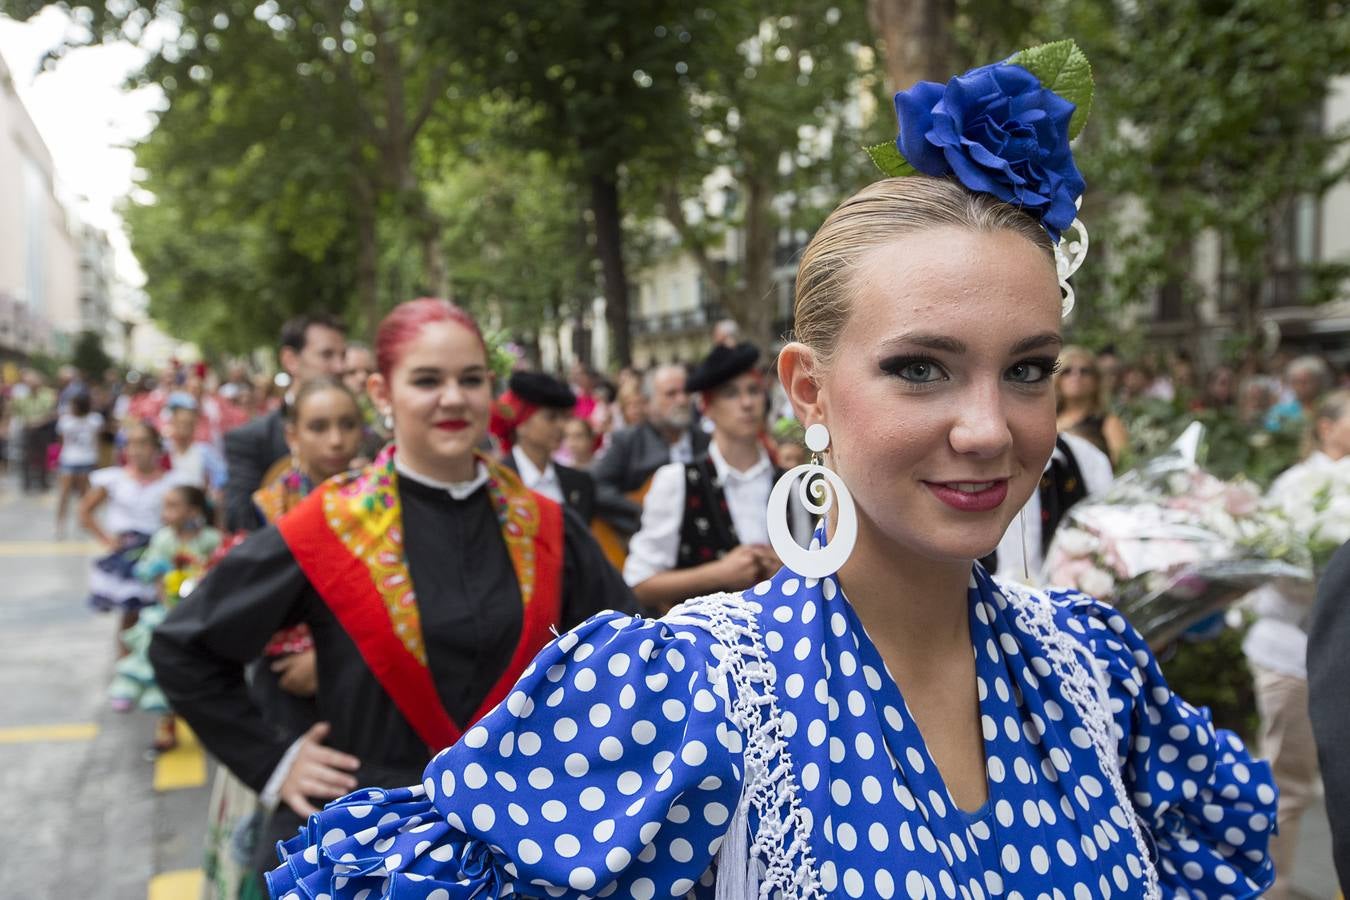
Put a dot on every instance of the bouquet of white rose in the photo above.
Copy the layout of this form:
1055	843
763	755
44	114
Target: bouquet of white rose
1169	544
1315	499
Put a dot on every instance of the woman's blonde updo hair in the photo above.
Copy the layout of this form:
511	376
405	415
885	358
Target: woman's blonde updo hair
877	214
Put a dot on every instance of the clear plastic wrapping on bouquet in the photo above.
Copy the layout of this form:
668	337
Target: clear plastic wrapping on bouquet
1170	545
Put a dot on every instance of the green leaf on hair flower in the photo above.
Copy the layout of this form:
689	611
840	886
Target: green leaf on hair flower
888	159
1064	69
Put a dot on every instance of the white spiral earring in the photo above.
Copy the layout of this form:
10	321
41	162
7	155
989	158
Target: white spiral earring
1070	251
819	489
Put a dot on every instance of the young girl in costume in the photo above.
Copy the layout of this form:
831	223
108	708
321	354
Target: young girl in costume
324	430
134	498
174	559
879	718
79	432
428	580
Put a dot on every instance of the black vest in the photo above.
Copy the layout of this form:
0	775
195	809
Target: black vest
707	532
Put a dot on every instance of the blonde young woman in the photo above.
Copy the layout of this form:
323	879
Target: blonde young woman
1081	408
879	718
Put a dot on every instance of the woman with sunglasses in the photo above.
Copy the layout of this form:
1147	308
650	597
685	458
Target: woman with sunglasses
1082	408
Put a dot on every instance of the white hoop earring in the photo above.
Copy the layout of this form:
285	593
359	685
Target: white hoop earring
818	491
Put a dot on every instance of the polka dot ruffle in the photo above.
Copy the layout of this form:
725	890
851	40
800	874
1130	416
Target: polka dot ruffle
612	770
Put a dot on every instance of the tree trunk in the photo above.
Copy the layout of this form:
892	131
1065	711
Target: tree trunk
609	250
754	305
367	268
434	269
916	39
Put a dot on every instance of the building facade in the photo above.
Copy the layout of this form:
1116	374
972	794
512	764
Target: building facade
40	253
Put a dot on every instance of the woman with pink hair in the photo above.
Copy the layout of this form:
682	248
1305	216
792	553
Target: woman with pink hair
429	580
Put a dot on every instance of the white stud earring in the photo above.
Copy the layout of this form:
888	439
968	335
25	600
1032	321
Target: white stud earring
819	489
388	421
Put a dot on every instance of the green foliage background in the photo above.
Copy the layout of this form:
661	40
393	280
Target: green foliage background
525	156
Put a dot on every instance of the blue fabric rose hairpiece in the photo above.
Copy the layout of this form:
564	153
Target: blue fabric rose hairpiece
1004	129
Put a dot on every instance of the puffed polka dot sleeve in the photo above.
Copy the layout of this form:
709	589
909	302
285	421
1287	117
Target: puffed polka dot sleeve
1208	805
611	769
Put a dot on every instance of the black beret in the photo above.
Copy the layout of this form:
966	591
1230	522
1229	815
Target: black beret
721	365
542	390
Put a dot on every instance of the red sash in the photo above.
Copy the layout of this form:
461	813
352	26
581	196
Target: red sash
347	538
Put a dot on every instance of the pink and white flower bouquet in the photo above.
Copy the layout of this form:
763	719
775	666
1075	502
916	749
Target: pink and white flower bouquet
1169	544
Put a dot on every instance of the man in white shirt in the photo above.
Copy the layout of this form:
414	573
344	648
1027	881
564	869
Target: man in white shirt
705	523
528	422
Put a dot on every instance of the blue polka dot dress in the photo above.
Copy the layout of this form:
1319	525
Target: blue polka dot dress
619	765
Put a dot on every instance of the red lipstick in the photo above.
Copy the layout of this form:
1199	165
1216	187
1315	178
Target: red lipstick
452	425
986	495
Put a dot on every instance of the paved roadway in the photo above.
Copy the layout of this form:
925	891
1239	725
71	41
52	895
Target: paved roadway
88	813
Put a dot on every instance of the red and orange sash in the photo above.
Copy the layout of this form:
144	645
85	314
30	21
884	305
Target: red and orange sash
347	537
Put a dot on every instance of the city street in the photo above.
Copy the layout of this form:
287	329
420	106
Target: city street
91	814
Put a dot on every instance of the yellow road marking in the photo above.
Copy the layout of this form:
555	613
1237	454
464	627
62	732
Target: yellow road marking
184	884
182	767
37	734
51	548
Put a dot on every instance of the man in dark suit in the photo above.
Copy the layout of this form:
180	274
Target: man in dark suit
311	346
1329	700
528	422
635	453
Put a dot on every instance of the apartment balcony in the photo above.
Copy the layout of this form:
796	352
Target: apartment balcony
698	318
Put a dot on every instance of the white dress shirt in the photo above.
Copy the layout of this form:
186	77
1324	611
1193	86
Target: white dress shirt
1277	640
545	482
1095	467
655	548
682	451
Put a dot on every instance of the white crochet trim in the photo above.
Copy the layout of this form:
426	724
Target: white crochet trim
1091	701
777	862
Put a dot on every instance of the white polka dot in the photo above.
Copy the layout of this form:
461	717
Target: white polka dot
611	749
540	778
599	715
565	729
592	799
528	852
643	732
475	776
576	765
566	845
618	859
476	737
554	810
483	817
629	783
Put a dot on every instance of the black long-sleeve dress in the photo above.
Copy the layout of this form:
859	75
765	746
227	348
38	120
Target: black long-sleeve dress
469	603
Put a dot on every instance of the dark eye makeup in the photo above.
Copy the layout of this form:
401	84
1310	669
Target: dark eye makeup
918	370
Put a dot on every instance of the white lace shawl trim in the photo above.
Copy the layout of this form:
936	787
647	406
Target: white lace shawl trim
775	861
1091	701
